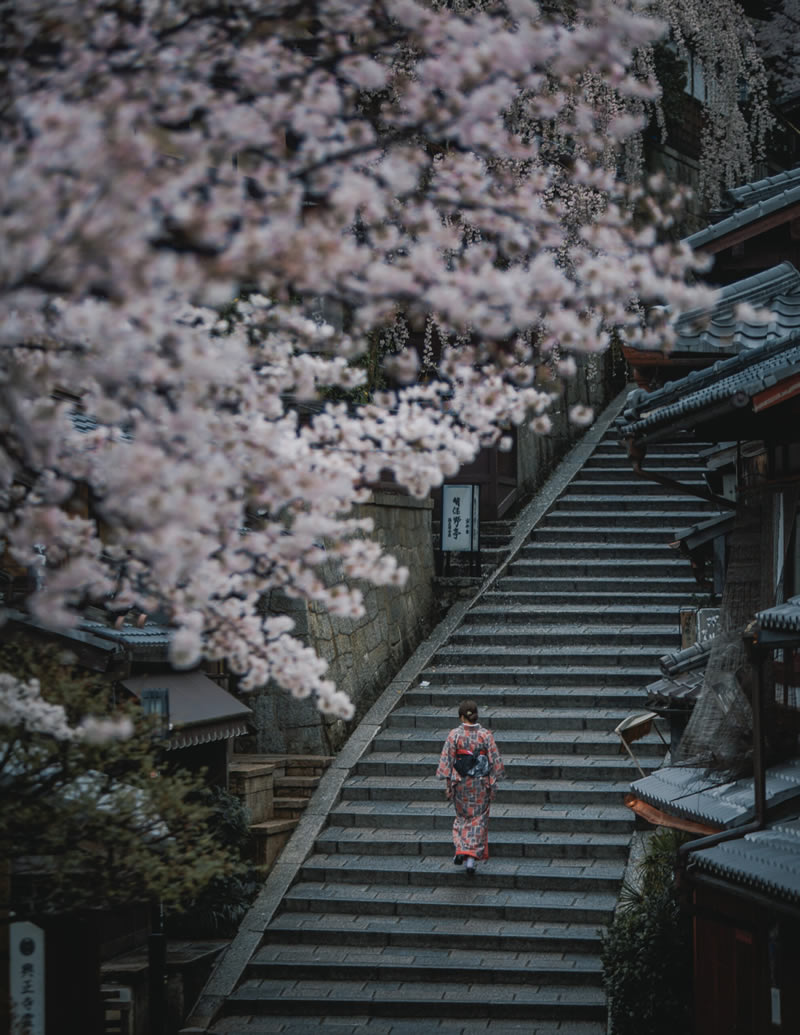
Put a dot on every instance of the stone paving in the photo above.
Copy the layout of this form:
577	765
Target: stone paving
365	925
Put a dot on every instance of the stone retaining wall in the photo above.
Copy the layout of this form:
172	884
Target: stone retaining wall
595	385
363	654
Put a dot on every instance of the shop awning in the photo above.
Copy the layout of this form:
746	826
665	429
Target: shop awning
199	710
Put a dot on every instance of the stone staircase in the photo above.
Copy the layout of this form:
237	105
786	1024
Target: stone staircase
380	932
495	541
276	790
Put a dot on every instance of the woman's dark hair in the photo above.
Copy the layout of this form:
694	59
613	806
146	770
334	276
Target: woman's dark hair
468	710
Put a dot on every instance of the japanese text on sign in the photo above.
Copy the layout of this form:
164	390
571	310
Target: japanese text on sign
27	978
460	527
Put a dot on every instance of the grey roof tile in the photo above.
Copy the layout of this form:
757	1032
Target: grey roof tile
760	208
83	422
782	618
727	384
767	860
684	688
718	333
762	190
148	642
686	660
692	793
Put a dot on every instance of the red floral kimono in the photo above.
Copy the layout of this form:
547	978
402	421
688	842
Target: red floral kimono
471	795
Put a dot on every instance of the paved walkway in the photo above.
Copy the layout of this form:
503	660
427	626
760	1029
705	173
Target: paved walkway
364	924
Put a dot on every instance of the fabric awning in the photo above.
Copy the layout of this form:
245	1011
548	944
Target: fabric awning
199	711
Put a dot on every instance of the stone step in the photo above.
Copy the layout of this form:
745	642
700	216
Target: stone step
643	520
511	792
582	638
439	871
626	699
503	844
520	742
634	676
633	599
616	484
538	565
417	998
579	550
669	508
489	540
357	1024
609	615
393	963
451	931
594	907
296	786
501	720
285	807
550	656
501	528
552	534
429	816
402	765
596	590
604	463
289	765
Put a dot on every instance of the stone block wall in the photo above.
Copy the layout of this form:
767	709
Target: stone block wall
253	783
599	379
363	654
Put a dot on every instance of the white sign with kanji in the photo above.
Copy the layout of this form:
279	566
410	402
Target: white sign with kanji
26	978
460	525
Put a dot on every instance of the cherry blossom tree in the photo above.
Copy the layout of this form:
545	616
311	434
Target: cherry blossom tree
186	186
721	52
778	40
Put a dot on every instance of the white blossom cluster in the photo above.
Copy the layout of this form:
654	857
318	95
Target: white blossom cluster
22	706
184	183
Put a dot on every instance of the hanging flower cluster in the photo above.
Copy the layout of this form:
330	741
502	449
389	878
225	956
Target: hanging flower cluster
209	211
721	42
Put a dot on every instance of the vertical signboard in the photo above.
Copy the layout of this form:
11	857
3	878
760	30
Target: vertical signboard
460	524
708	624
27	978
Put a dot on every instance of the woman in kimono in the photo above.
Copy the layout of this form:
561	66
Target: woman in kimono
473	792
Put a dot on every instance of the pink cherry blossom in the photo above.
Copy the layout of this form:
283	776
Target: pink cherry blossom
207	227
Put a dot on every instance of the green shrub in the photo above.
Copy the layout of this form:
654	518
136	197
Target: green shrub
647	950
218	909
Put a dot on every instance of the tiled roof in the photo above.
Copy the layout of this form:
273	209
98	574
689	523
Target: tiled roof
777	289
704	531
762	190
782	618
767	860
151	640
684	689
717	332
692	657
200	711
691	793
83	422
755	211
725	386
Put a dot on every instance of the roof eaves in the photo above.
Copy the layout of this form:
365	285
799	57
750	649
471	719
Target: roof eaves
727	385
743	218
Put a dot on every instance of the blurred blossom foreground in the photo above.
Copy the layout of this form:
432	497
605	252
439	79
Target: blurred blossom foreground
186	185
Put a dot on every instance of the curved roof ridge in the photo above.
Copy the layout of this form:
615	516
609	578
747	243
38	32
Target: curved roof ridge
766	187
745	216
